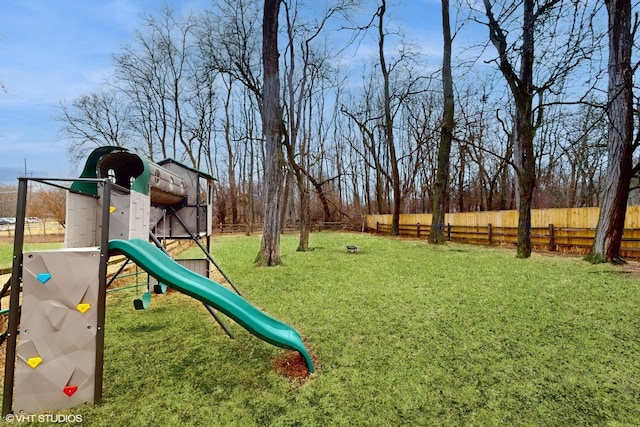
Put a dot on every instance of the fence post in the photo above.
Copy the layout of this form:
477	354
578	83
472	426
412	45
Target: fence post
448	231
552	240
490	233
418	230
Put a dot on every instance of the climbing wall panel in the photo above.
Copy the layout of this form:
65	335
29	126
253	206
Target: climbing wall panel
56	350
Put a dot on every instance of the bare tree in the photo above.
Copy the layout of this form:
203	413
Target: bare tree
548	19
201	106
521	85
362	148
572	155
269	254
606	244
8	197
152	73
481	159
93	120
297	151
388	122
48	203
441	190
366	122
305	66
249	113
161	99
230	43
233	199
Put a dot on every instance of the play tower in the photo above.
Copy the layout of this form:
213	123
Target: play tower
119	204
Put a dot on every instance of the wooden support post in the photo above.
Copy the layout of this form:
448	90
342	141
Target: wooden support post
418	230
448	231
552	239
490	233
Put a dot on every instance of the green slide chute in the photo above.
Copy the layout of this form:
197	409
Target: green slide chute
159	265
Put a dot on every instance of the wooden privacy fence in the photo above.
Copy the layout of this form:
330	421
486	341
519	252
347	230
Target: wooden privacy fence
563	230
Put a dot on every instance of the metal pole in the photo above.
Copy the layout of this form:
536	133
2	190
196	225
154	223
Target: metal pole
115	276
206	252
102	290
209	308
14	301
220	322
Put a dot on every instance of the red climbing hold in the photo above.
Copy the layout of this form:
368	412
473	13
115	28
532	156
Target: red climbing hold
70	389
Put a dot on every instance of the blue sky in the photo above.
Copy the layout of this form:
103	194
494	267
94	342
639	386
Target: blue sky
52	51
56	50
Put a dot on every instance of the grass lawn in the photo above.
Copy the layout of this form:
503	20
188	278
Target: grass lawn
405	333
6	250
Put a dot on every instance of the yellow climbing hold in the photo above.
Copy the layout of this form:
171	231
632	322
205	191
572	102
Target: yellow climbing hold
83	308
34	361
112	209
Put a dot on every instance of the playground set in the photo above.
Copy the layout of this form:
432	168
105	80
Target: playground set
118	206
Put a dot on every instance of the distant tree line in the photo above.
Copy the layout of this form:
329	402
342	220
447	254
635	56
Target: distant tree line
44	202
531	126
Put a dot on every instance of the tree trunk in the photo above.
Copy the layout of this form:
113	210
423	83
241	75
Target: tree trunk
388	125
317	186
305	221
461	178
269	254
379	185
441	190
303	190
526	172
287	203
606	244
233	199
521	86
526	185
250	207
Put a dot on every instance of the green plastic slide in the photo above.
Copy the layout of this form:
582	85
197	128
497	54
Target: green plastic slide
159	265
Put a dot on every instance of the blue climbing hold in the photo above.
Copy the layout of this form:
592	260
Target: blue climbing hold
44	277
